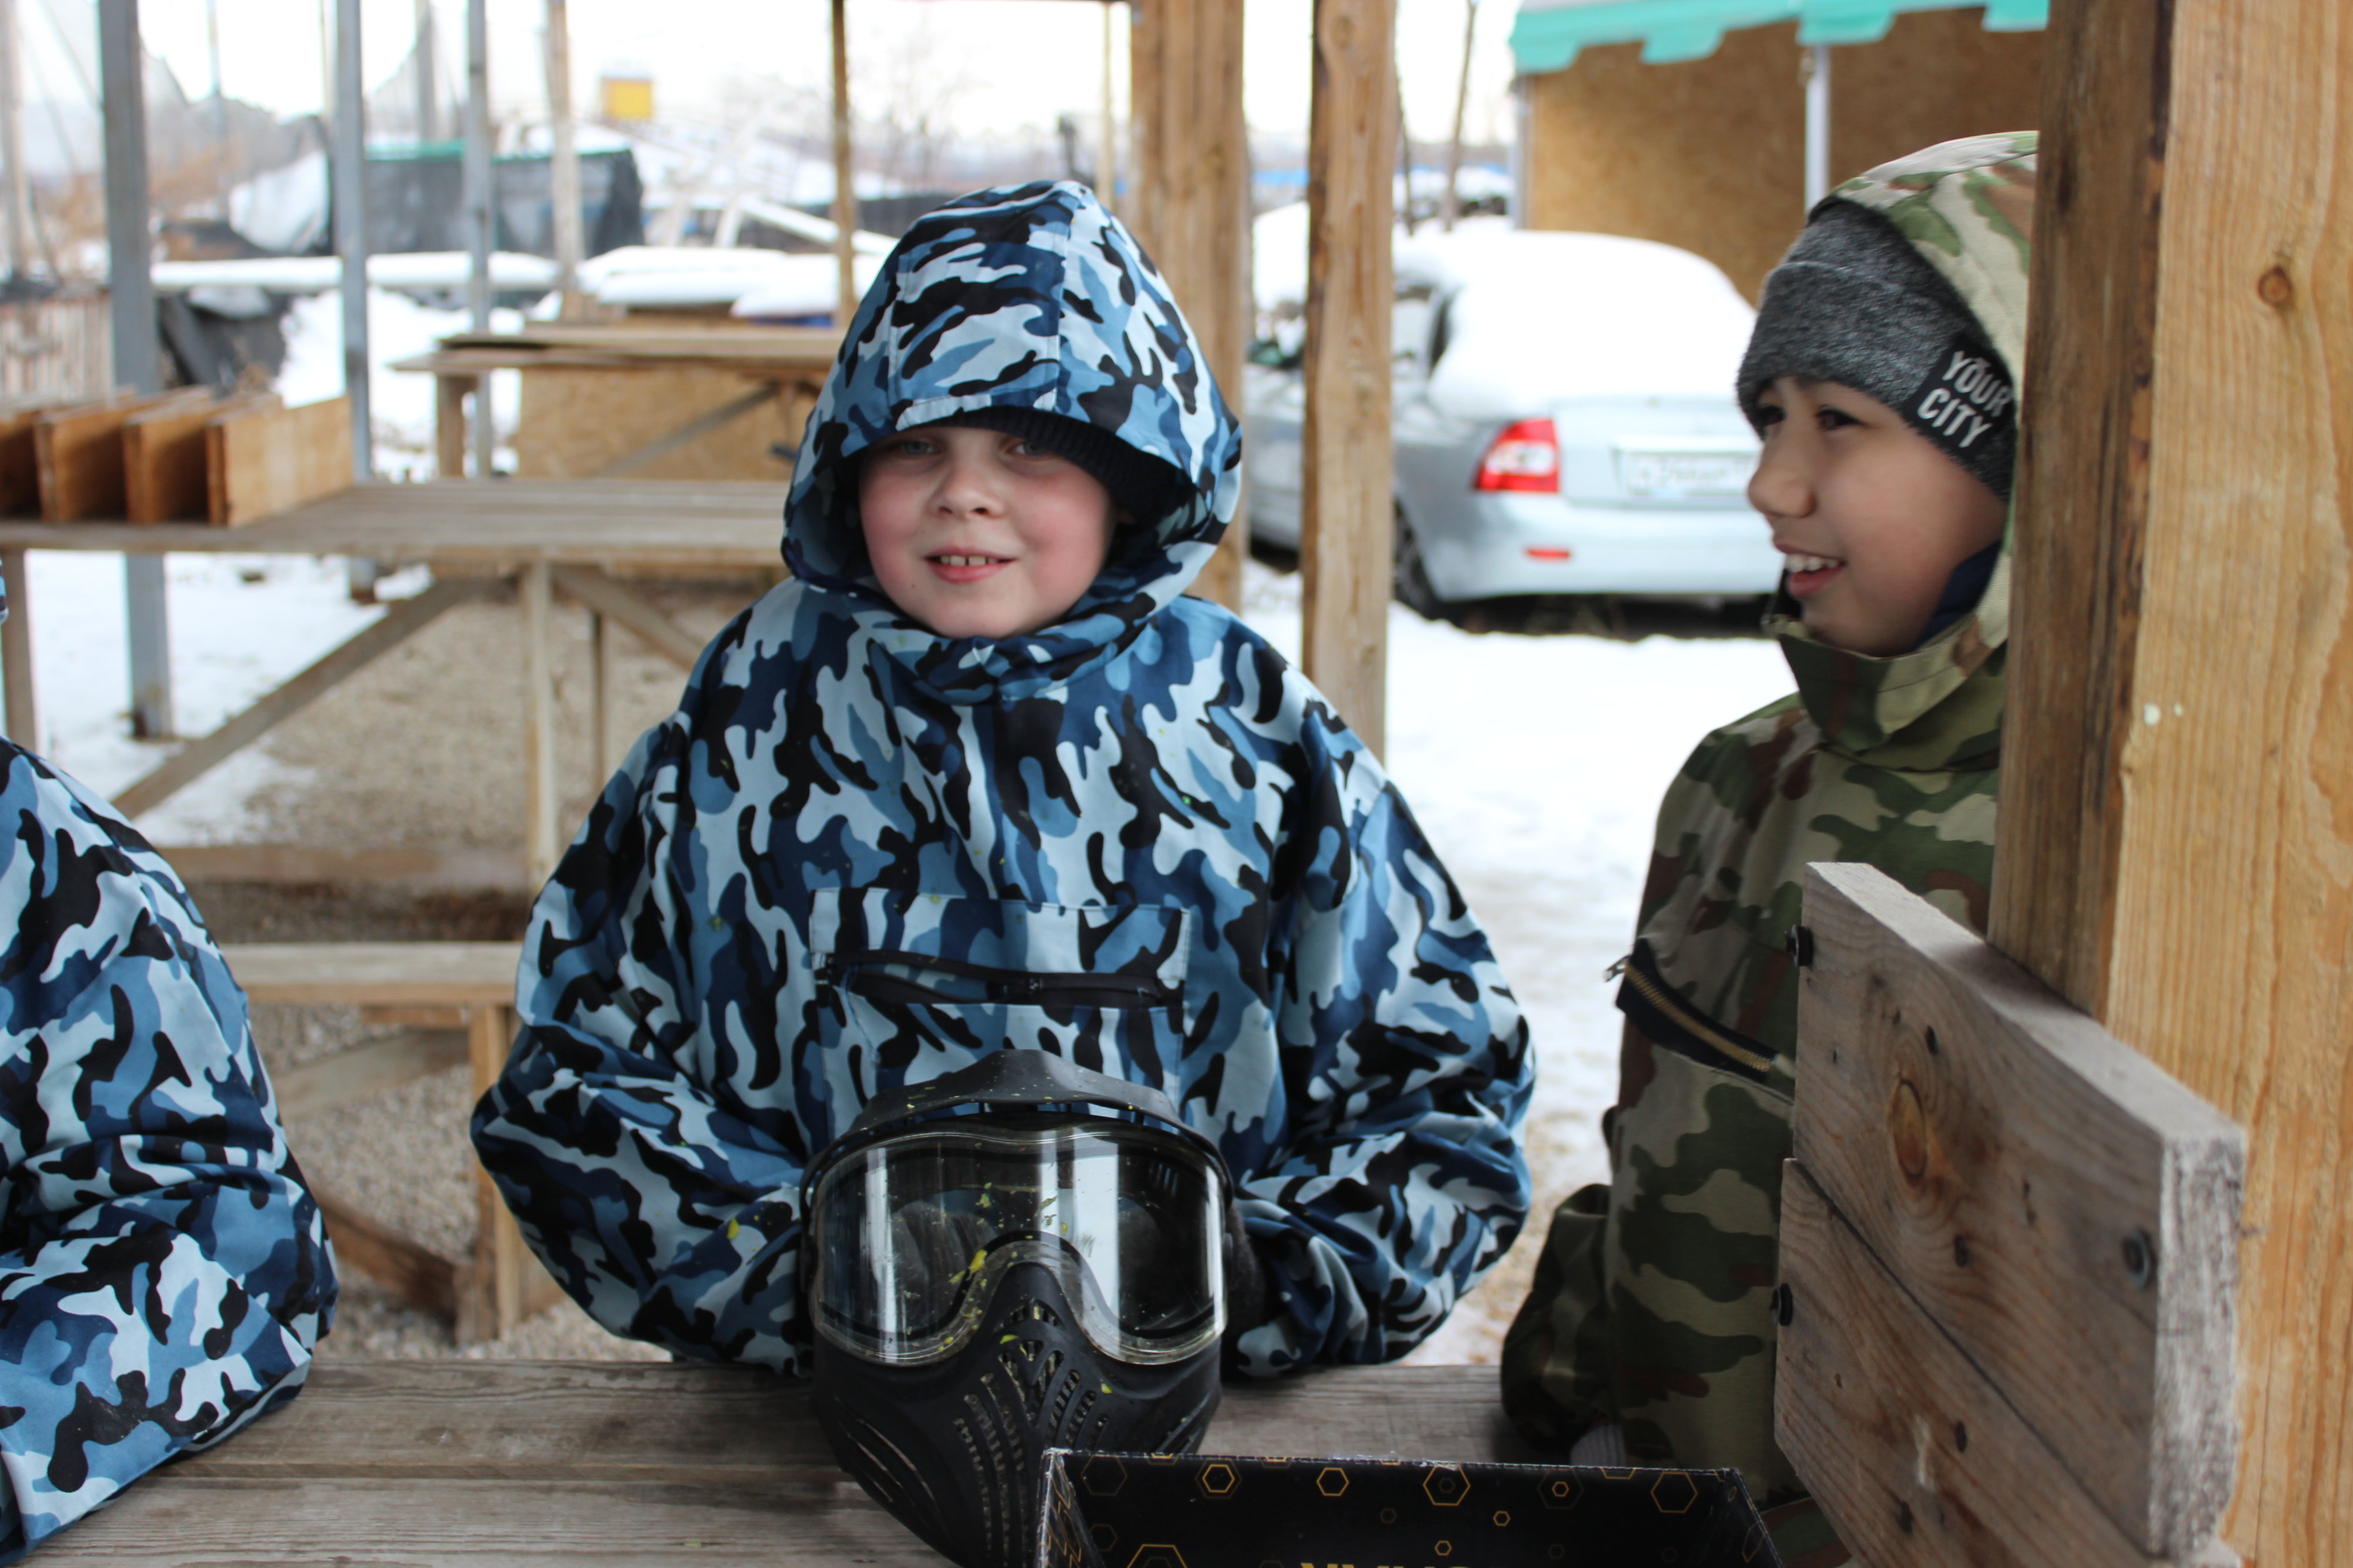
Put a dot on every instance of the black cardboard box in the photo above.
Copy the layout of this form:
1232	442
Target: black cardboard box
1214	1511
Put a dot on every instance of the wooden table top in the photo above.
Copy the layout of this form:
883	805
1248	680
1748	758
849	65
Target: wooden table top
472	524
624	1463
800	352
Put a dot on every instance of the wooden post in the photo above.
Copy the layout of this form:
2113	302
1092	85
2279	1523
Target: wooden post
1347	514
2176	816
450	391
1191	205
491	1291
541	832
564	158
23	716
845	187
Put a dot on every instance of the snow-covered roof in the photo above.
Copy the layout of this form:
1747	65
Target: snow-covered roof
510	272
1547	34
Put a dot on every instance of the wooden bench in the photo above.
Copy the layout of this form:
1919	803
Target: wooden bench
457	999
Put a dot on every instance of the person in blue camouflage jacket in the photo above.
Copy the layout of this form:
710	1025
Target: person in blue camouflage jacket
863	854
164	1276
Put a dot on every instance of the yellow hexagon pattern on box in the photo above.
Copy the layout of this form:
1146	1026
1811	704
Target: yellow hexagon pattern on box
1332	1481
1563	1492
1218	1480
1445	1486
1674	1492
1101	1469
1156	1555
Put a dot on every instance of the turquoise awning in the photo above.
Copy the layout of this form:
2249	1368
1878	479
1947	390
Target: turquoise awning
1547	38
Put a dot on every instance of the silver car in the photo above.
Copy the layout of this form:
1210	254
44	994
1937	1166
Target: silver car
1564	422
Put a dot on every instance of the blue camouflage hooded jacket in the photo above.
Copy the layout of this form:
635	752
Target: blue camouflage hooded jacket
1135	838
164	1275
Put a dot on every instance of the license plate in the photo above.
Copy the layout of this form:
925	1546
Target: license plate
1670	473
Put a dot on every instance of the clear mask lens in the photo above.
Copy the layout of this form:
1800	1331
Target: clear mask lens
909	1235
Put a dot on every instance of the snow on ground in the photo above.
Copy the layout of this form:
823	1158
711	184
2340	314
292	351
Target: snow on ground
240	625
1535	764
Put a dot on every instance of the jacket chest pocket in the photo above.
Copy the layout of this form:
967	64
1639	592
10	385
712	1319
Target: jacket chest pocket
906	975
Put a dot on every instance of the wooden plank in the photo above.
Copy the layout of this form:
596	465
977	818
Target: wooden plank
845	180
601	1423
462	526
1347	510
263	461
199	757
417	1275
23	707
388	973
2065	1212
2176	810
542	806
412	1463
1935	1465
507	1282
615	601
687	434
164	476
368	1068
1192	210
79	453
415	1016
20	469
460	866
451	390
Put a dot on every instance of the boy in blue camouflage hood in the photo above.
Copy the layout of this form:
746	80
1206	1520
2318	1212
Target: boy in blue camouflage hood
1083	813
164	1275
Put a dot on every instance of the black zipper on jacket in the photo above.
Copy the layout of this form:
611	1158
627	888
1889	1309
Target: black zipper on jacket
1672	1024
866	975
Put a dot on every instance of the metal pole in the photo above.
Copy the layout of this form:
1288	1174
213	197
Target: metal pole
138	363
479	210
12	143
845	193
427	61
220	104
563	158
1818	124
349	129
1107	138
1449	206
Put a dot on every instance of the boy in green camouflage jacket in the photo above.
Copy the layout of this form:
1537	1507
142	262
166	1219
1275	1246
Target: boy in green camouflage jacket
1882	377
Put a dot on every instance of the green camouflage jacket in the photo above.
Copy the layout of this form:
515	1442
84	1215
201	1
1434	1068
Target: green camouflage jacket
1650	1306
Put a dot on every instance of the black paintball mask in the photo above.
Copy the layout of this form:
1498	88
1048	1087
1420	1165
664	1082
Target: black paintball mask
1020	1256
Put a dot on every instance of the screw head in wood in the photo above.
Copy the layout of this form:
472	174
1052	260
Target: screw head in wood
1785	1305
1961	1251
1800	943
2140	1259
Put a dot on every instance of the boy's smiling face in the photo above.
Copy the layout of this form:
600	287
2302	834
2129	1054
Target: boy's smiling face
1872	515
980	534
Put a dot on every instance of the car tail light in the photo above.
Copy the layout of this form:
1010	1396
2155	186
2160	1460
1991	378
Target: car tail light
1526	457
1548	552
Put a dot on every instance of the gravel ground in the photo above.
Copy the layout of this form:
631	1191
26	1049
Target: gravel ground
425	747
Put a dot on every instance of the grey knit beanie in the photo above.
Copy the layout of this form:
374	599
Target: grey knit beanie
1853	302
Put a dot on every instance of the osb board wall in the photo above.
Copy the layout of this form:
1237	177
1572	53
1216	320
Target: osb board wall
575	421
1711	154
